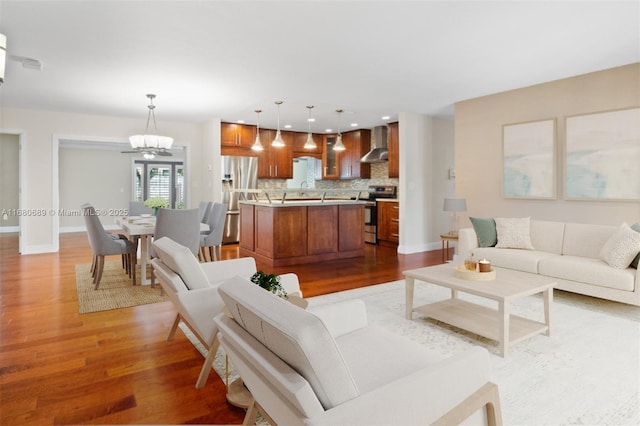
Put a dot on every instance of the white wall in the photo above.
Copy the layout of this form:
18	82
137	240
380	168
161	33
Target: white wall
478	135
40	132
9	181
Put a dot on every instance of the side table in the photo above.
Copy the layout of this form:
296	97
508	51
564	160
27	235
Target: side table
445	238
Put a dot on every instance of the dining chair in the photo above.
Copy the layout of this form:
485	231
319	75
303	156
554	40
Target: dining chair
105	244
205	209
137	208
182	226
213	238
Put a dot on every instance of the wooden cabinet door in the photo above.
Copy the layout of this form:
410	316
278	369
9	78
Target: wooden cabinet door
247	227
264	156
330	158
282	158
322	229
299	139
357	144
237	135
394	150
350	227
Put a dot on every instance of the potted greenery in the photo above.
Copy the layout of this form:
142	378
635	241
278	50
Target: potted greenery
270	282
156	203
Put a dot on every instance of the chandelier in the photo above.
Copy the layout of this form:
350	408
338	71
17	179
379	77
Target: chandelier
151	145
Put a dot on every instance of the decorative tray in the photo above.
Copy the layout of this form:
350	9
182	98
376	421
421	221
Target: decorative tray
462	272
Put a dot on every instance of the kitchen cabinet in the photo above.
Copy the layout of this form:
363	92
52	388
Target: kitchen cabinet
393	144
300	138
388	222
274	162
346	164
237	135
330	158
357	143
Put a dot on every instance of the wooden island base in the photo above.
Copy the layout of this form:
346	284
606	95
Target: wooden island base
294	234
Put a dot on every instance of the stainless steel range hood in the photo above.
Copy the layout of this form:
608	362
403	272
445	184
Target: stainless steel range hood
379	153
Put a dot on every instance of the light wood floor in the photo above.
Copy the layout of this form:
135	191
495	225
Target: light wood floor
58	367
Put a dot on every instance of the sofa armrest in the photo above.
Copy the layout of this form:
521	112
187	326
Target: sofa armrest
467	241
290	284
426	395
342	317
198	308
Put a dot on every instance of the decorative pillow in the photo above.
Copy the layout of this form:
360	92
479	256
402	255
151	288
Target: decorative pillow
485	230
634	262
514	233
621	248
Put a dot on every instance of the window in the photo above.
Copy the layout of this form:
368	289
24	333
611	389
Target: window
159	179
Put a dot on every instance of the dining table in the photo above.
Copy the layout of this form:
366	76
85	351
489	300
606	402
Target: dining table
143	227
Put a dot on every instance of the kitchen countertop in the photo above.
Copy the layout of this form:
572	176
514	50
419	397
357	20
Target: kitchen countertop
304	196
393	200
301	202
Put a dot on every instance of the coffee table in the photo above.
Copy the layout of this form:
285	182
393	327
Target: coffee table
493	324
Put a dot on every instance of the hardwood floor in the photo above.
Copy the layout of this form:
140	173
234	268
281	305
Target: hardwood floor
116	367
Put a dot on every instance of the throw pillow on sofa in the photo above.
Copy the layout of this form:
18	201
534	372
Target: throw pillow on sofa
621	248
485	231
514	233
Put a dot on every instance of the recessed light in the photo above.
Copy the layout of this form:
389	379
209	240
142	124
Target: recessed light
328	130
311	120
354	124
240	121
386	117
287	126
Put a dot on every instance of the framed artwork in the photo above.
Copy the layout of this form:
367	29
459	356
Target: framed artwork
602	156
529	160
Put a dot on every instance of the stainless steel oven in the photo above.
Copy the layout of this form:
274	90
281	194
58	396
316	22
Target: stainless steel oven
371	210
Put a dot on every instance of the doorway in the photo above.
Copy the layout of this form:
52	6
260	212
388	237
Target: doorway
10	211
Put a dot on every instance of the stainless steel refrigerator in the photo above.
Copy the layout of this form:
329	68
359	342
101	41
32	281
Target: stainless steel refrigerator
237	173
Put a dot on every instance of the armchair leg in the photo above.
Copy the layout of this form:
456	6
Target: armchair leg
487	396
174	327
208	362
252	414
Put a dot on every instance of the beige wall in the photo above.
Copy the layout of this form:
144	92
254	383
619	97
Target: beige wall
478	135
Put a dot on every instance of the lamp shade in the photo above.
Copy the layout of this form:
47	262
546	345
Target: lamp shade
455	205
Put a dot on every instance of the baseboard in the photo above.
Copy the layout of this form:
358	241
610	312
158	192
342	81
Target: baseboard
47	248
9	229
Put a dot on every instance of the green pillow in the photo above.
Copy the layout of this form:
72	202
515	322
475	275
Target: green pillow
485	230
634	262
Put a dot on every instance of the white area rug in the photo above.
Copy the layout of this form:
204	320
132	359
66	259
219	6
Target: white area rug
586	372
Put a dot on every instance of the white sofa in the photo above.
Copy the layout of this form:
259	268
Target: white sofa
570	253
326	366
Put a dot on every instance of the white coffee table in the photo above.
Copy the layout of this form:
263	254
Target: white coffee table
493	324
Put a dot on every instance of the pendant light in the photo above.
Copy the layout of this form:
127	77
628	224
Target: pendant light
257	146
310	143
151	144
339	146
277	141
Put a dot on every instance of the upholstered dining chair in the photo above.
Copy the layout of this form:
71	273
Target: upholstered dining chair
182	226
205	208
104	244
137	208
213	238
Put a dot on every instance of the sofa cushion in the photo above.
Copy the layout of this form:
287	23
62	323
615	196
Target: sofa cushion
520	260
181	260
547	236
298	337
587	270
621	248
634	262
585	240
485	231
514	233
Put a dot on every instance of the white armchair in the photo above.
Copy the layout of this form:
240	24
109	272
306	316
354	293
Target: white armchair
193	289
326	366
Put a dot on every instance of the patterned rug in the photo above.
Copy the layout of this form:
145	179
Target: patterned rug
587	372
115	290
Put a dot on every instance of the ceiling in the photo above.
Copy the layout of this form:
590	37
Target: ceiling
209	59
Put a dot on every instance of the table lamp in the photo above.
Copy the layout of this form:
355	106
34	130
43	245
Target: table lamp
455	205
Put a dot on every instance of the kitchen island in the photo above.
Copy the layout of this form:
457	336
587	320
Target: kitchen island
306	229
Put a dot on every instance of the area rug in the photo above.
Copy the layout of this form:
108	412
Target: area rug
587	372
115	290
